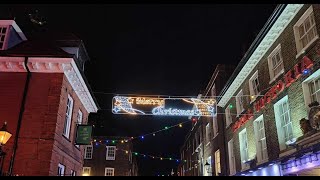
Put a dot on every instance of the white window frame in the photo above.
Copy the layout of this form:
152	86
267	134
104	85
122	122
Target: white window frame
261	141
108	150
215	126
61	169
107	171
239	102
306	16
253	86
208	171
306	89
86	169
281	130
79	121
217	162
68	118
88	153
228	116
274	53
208	133
232	158
5	35
73	173
244	149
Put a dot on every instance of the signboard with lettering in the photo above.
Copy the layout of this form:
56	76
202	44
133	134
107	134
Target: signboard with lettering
164	106
83	136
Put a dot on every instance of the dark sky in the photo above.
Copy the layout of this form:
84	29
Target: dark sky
151	49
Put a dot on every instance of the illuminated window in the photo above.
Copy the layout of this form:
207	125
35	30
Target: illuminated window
61	169
305	30
239	102
275	63
260	136
88	150
109	171
111	153
79	121
3	32
67	122
232	159
243	139
217	162
283	122
86	171
228	116
254	85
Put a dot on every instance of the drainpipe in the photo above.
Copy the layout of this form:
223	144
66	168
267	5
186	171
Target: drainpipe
22	108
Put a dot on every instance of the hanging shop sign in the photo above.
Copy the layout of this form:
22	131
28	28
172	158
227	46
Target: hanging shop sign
83	136
290	77
164	106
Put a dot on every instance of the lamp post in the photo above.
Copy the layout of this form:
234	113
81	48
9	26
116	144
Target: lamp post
4	137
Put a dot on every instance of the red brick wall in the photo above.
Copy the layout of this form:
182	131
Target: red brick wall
64	151
41	145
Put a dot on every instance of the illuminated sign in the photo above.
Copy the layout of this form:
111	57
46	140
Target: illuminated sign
164	106
290	77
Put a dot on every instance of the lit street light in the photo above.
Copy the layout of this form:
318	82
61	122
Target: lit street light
4	137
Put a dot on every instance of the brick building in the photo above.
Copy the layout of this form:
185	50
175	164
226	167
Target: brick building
110	156
204	144
269	96
44	95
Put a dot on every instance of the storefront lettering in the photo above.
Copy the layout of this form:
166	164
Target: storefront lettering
290	77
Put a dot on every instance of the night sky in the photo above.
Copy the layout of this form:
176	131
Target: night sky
150	49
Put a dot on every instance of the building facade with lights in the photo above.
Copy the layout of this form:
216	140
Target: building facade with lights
271	100
44	95
203	149
110	156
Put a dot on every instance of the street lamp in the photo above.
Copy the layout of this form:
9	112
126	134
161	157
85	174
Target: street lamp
207	167
4	137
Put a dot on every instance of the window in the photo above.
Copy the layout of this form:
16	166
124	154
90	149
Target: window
243	148
275	63
217	162
86	171
314	89
79	121
109	172
228	116
88	152
67	123
61	169
254	85
283	121
215	126
111	153
3	31
311	88
305	30
208	132
239	102
73	173
260	136
232	159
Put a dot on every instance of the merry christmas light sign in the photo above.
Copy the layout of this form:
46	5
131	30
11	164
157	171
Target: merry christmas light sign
164	106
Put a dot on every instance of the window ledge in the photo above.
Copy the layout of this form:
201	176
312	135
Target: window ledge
65	137
208	144
263	161
274	78
303	50
215	136
286	152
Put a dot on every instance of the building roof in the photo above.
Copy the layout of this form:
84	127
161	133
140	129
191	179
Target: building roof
277	22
